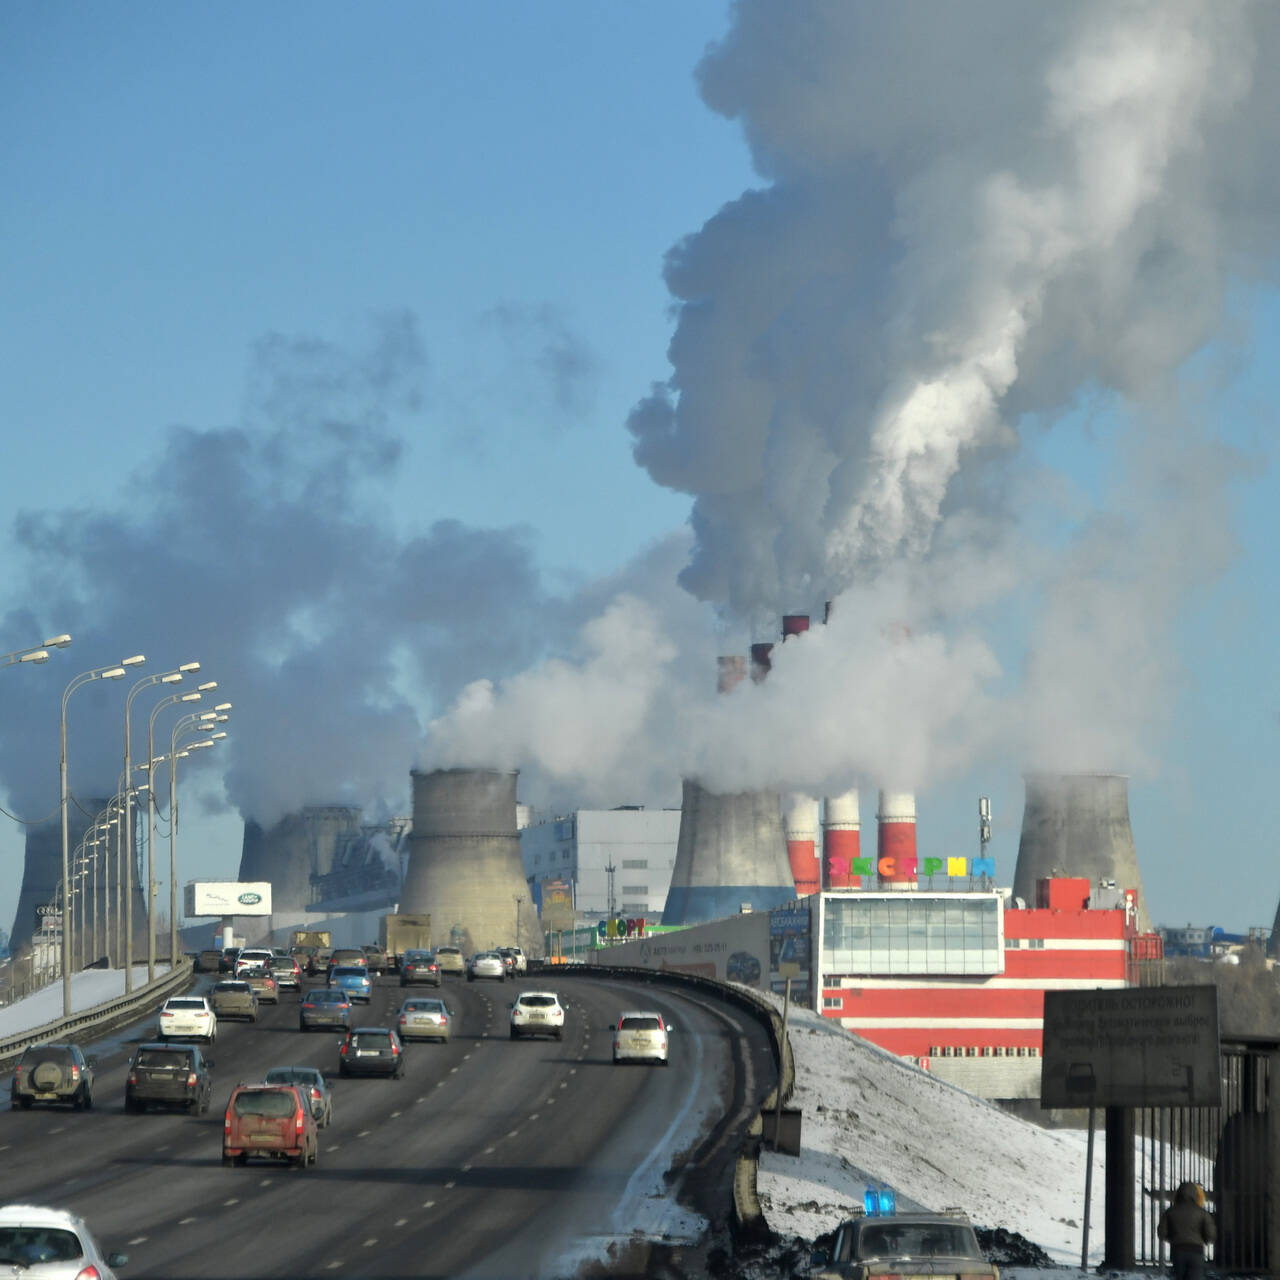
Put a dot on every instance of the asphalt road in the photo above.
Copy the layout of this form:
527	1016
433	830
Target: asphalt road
491	1158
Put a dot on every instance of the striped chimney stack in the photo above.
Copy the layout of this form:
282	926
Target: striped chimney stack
841	841
800	816
896	840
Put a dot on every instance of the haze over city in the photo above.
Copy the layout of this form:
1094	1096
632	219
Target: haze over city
457	385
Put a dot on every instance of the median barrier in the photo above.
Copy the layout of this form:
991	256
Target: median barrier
102	1015
748	1216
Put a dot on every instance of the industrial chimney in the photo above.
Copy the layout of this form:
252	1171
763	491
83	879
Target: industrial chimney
464	862
841	841
896	839
1078	825
801	825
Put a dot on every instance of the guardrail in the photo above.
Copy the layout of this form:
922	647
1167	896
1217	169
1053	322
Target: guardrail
748	1216
101	1015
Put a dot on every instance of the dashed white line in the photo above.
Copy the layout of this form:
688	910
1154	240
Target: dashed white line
450	1183
233	1200
453	1071
394	1114
266	1182
5	1147
513	1133
573	1071
466	1168
138	1240
372	1240
488	1151
364	1133
182	1222
333	1266
564	1084
422	1097
550	1102
534	1116
428	1204
337	1146
401	1221
465	1056
60	1129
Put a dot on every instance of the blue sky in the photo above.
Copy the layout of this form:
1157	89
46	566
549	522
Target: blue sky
184	182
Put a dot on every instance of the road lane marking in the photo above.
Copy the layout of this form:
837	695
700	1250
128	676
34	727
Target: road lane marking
372	1240
453	1071
266	1182
337	1146
450	1184
333	1266
465	1056
422	1097
573	1071
233	1200
59	1129
401	1221
364	1133
534	1116
564	1084
488	1151
182	1222
466	1168
138	1240
428	1204
513	1133
394	1114
5	1147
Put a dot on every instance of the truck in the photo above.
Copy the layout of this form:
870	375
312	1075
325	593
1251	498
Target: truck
311	938
399	932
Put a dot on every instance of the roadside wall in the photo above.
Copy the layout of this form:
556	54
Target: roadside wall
735	949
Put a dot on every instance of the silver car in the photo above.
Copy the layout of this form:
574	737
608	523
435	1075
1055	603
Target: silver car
423	1018
52	1244
640	1036
487	964
313	1087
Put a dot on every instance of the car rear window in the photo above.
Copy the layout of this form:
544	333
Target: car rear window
232	988
371	1040
415	956
540	1002
448	951
917	1240
172	1058
349	971
179	1003
29	1246
327	997
47	1053
640	1024
292	1075
265	1102
424	1006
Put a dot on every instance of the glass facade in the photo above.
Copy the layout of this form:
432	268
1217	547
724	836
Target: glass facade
904	933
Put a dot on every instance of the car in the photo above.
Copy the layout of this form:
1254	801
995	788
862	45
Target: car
252	958
188	1018
742	966
372	1051
419	966
287	972
318	961
349	956
450	960
518	959
229	957
53	1073
52	1244
487	964
272	1121
537	1013
171	1075
353	979
264	985
421	1018
376	958
903	1244
208	961
315	1088
234	998
325	1007
640	1036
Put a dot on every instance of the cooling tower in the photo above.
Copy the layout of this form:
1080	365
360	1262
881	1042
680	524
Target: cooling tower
42	869
731	853
801	825
464	861
896	838
841	841
1078	825
299	846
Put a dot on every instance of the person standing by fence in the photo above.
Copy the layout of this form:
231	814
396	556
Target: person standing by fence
1188	1228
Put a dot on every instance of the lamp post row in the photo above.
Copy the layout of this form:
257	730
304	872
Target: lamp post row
76	879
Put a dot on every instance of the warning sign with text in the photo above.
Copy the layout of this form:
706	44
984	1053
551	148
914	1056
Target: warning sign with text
1137	1047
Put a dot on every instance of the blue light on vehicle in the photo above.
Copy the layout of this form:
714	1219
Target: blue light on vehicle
879	1202
871	1202
888	1200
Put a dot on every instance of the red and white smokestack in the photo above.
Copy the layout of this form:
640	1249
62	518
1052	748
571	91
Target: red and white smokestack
732	671
841	841
896	839
794	624
761	662
800	821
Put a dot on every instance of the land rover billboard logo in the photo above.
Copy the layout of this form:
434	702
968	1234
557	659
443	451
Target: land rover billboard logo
250	899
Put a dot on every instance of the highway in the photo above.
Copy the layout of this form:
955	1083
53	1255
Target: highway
491	1158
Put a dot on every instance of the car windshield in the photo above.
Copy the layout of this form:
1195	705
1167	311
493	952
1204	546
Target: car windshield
917	1240
265	1102
293	1075
170	1058
641	1024
539	1002
178	1002
29	1246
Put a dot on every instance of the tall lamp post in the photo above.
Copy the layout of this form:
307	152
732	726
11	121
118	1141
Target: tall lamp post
37	654
161	677
97	673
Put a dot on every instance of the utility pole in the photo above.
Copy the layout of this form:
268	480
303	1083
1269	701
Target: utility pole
610	869
519	900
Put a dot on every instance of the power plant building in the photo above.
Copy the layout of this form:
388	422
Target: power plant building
617	861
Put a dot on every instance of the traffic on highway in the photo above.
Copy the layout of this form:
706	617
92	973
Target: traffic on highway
488	1127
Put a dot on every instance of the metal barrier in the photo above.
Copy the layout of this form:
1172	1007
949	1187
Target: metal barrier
102	1015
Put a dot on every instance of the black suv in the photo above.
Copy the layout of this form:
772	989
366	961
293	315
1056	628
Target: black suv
53	1073
171	1075
372	1051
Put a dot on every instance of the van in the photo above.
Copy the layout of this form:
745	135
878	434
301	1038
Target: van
269	1120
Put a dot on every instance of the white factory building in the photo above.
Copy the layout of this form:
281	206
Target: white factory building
619	861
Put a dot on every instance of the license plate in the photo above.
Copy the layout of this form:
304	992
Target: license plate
537	1017
366	1053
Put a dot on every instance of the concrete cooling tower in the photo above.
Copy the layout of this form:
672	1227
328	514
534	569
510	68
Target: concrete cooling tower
42	870
301	845
731	852
464	861
1078	825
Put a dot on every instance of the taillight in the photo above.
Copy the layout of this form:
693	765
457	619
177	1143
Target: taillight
226	1123
308	1006
133	1077
395	1048
75	1072
89	1273
344	1050
191	1079
403	1019
444	1022
298	1123
315	1093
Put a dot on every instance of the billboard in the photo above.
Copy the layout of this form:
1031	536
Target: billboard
735	949
789	951
557	905
226	898
1137	1047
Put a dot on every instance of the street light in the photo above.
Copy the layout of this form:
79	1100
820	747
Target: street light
36	654
85	677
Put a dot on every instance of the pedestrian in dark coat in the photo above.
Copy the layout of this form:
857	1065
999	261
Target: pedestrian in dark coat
1188	1228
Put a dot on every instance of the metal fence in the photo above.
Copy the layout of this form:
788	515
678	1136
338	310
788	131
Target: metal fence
1226	1150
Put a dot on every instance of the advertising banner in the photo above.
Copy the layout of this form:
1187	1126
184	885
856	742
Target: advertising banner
557	905
789	951
731	950
226	898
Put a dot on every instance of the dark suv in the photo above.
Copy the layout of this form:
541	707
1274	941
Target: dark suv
171	1075
53	1073
372	1051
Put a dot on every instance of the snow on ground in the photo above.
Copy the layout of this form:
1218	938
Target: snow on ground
871	1119
88	988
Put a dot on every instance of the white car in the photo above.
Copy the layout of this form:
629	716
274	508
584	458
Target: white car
188	1018
52	1244
487	964
522	963
537	1013
640	1036
258	958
